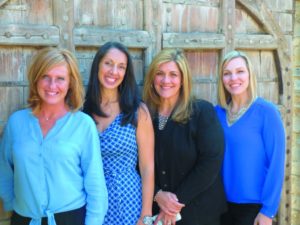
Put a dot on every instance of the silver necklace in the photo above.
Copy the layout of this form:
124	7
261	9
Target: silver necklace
48	119
162	121
233	117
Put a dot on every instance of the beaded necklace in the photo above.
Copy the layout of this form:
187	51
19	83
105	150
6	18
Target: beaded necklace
231	118
162	121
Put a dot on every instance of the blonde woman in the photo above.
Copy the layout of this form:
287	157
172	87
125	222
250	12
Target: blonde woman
50	164
253	167
188	145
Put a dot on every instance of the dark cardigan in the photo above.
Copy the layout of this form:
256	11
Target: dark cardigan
188	159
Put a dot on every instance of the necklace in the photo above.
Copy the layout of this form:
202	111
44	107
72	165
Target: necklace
53	115
162	121
49	118
233	117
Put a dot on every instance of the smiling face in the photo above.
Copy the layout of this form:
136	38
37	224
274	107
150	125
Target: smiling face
112	69
236	77
167	81
53	86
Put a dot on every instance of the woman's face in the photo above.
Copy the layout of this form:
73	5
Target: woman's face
236	77
167	81
53	86
112	69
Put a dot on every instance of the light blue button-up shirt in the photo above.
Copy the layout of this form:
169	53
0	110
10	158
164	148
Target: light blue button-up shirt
41	176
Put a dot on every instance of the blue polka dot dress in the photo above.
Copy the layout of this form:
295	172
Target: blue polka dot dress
119	155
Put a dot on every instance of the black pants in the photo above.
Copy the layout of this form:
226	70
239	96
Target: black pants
215	222
240	214
73	217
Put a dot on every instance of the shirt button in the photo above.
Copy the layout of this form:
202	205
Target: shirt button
165	185
163	172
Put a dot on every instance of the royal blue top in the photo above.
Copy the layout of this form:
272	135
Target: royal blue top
253	167
40	176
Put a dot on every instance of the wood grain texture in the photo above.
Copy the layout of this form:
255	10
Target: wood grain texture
267	30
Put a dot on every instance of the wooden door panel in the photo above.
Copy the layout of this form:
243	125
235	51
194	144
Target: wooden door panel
110	14
205	30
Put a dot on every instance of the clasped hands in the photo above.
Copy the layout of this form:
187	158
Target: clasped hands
169	207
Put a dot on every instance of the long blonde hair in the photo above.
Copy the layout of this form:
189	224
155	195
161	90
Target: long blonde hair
183	108
224	96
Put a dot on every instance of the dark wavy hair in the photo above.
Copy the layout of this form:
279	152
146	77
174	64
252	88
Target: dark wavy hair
128	90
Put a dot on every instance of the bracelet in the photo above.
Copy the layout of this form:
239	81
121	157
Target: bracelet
154	199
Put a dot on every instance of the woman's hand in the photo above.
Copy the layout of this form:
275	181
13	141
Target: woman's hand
261	219
140	222
168	203
165	218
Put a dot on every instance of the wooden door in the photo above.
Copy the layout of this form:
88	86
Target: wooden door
205	29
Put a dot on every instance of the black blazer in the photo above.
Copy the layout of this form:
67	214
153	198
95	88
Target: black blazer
188	159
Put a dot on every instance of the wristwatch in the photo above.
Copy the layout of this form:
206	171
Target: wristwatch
147	220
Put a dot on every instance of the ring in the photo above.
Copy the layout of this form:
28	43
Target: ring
169	223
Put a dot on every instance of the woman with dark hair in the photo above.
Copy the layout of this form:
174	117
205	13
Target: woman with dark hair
126	135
